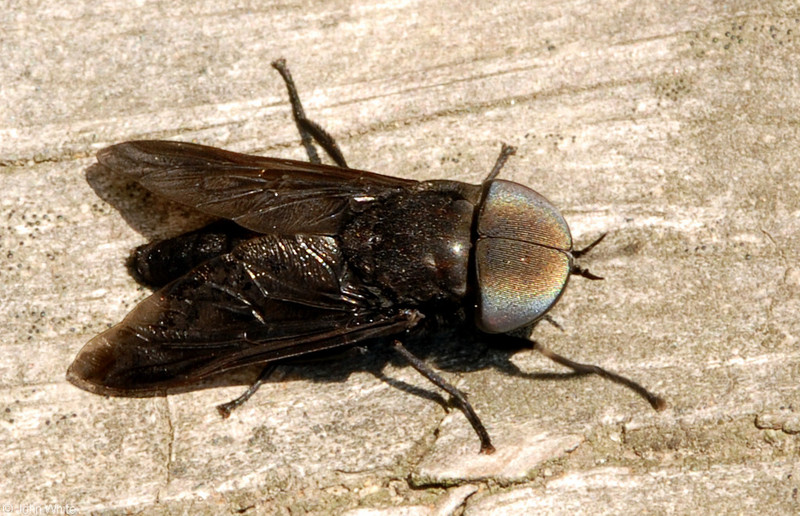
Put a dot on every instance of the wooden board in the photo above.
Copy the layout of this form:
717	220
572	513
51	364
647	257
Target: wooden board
673	128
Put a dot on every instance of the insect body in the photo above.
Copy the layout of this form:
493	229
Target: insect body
312	257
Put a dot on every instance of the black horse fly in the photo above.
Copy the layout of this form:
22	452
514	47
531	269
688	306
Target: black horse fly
309	257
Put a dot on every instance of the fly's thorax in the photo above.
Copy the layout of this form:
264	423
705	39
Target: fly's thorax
522	257
414	245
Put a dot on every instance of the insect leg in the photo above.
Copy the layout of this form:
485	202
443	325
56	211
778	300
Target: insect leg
309	130
459	397
506	151
552	321
655	401
225	409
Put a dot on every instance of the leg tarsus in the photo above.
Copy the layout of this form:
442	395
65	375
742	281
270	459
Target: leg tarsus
657	402
459	397
506	151
225	409
309	130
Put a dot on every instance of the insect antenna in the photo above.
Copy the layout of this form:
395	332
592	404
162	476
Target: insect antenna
580	271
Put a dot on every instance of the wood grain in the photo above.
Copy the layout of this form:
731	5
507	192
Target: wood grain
674	128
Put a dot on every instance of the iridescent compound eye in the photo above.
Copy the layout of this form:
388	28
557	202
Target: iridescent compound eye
522	256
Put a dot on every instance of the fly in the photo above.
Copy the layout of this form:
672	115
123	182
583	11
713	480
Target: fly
307	257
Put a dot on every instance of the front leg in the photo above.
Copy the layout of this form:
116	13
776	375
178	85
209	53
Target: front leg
655	401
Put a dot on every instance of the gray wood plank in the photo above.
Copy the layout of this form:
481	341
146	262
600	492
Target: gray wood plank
673	127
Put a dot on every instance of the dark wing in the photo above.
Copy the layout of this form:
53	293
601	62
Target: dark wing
273	297
267	195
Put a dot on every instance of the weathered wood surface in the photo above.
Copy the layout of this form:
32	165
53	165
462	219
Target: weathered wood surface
674	128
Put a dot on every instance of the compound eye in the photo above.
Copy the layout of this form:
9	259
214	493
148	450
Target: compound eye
513	211
518	282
